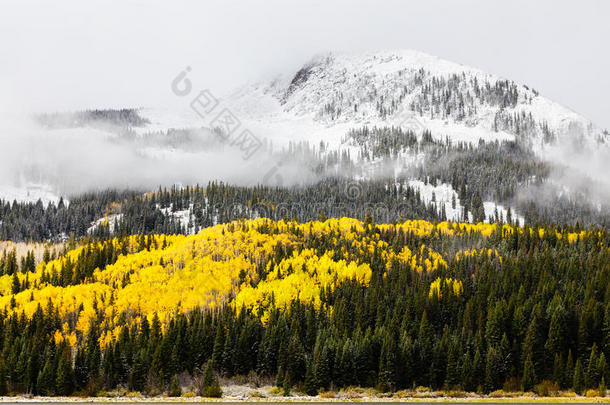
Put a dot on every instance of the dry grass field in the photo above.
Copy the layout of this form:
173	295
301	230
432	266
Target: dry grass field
23	248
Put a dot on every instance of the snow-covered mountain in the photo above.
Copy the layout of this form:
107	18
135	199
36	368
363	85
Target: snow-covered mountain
405	88
336	93
324	100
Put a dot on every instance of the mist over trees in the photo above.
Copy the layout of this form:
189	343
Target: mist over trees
506	173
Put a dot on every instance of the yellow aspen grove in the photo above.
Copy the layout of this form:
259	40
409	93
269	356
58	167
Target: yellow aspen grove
258	265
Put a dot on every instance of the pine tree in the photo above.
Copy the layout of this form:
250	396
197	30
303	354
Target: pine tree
210	386
81	372
295	361
174	388
529	375
592	374
3	378
16	285
493	368
387	364
568	378
579	378
139	371
311	387
558	373
46	379
65	377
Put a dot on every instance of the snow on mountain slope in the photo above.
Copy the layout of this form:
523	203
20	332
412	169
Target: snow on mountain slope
29	193
163	119
335	92
445	195
322	101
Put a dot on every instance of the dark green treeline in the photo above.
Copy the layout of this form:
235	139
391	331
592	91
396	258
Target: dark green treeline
542	313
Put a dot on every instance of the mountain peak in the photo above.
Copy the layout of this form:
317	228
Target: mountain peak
390	87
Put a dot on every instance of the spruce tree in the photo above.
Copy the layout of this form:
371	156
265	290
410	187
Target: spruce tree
602	366
65	377
286	387
592	374
156	367
323	366
93	353
16	285
452	378
279	378
529	375
81	372
139	372
210	386
579	378
387	364
3	378
467	374
558	373
606	330
478	369
295	361
311	387
558	331
493	367
45	382
568	378
174	388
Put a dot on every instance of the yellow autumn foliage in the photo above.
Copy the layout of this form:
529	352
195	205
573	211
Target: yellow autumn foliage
255	264
299	277
454	286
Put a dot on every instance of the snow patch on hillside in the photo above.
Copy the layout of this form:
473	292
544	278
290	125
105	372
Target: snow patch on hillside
164	119
30	193
183	216
107	220
443	195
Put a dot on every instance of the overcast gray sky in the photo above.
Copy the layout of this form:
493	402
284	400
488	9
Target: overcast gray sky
81	54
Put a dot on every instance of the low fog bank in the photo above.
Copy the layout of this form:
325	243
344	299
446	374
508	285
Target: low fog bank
582	168
580	165
76	160
72	159
577	188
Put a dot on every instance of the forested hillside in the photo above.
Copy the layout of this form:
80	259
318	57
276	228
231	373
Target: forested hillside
187	210
316	305
374	171
397	221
